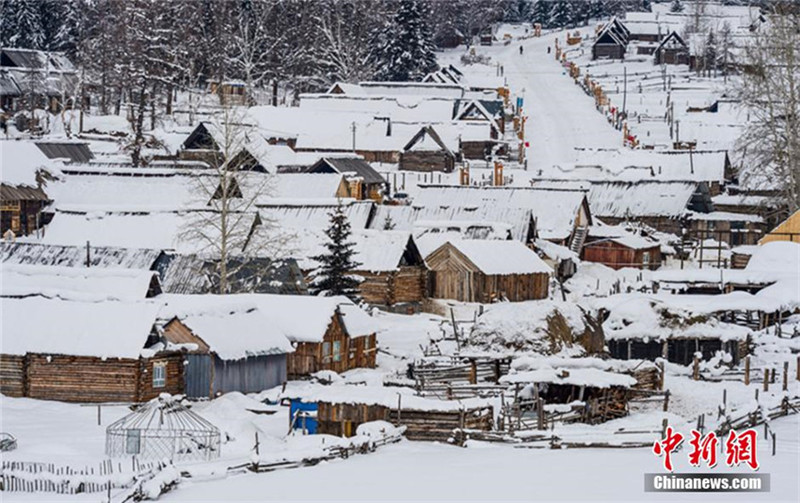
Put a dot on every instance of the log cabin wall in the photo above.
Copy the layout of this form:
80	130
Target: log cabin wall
427	161
406	285
13	371
87	378
174	383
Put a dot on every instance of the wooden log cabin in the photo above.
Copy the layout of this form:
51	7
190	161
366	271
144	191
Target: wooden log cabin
229	345
427	152
487	271
327	333
23	179
611	41
394	273
69	354
618	248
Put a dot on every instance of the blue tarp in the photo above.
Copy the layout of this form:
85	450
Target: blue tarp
310	423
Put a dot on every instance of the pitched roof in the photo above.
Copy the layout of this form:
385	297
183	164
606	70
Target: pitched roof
348	165
77	152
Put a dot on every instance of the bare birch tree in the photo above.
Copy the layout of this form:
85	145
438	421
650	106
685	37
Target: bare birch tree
770	143
230	234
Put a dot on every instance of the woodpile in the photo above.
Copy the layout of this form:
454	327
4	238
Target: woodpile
440	425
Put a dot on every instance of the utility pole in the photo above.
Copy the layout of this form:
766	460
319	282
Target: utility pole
353	129
624	88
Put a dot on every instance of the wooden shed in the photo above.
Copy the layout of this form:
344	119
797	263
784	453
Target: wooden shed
365	182
672	51
427	152
487	270
229	346
618	252
611	42
70	354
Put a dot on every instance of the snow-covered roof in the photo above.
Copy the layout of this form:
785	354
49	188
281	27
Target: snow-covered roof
307	214
300	318
305	185
640	199
75	256
555	210
500	257
398	108
375	250
417	218
621	235
590	377
21	160
76	283
233	330
54	326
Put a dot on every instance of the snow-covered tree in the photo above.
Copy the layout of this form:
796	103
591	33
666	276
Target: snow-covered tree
676	6
343	51
770	143
541	12
404	49
335	273
22	25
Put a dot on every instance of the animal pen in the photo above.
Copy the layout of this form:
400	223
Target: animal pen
163	428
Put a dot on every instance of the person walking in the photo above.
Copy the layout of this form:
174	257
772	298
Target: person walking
520	50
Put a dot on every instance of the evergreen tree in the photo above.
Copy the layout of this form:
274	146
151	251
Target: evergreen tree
541	12
21	24
677	6
597	9
62	20
404	49
334	275
560	14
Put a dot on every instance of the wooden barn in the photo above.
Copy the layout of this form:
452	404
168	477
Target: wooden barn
427	152
487	271
229	345
365	183
619	249
70	354
672	51
611	41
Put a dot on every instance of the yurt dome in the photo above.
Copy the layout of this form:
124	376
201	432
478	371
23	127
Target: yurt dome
163	428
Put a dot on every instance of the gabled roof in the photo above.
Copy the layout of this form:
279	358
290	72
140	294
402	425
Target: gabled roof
425	133
672	40
347	165
31	58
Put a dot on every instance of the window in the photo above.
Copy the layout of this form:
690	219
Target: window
337	348
159	375
132	441
326	351
646	258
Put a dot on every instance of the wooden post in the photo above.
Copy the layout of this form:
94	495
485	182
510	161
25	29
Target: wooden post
473	371
774	437
664	424
662	374
696	369
798	368
747	370
766	379
772	376
666	401
99	422
785	376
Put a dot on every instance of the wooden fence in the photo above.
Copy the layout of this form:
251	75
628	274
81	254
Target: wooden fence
32	477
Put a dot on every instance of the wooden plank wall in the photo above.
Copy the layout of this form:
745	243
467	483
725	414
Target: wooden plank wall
12	375
308	358
406	285
416	160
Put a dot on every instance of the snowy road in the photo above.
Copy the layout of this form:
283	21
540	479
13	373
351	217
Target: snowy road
561	115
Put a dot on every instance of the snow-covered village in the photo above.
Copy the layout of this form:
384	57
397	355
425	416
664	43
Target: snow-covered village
450	250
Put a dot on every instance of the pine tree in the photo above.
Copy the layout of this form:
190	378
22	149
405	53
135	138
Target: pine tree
560	14
541	12
64	25
404	49
334	275
677	6
24	29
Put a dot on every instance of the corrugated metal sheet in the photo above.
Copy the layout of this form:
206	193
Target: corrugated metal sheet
75	256
75	152
249	375
21	193
197	375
